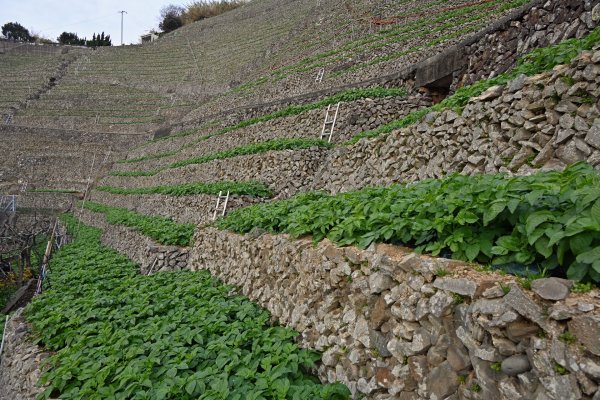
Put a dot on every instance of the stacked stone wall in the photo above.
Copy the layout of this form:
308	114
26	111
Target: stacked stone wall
395	325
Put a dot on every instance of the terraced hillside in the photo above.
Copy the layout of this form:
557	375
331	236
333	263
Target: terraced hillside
442	243
351	41
24	76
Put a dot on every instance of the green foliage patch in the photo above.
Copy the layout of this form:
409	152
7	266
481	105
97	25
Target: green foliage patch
116	334
254	148
164	230
551	219
250	188
539	60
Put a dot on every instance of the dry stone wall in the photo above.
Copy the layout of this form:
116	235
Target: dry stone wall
547	23
196	209
149	255
353	118
57	159
395	325
21	361
286	172
544	121
483	54
45	201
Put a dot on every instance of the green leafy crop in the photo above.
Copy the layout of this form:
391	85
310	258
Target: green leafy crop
539	60
254	148
116	334
551	218
161	229
250	188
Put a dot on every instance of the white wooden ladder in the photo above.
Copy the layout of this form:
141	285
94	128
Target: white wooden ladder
329	123
221	202
320	75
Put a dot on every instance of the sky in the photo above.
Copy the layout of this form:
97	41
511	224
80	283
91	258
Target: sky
50	18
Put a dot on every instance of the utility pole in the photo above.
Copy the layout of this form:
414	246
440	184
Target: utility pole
122	12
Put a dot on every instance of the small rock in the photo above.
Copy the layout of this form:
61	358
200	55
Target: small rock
593	136
515	365
522	304
493	292
586	329
440	303
596	13
561	312
585	307
384	377
379	341
442	381
461	286
563	387
490	94
550	288
521	329
458	357
516	84
378	282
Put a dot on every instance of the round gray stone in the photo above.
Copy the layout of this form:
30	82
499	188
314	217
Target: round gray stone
550	288
515	365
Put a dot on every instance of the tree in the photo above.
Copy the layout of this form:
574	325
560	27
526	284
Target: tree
99	40
171	18
70	38
16	31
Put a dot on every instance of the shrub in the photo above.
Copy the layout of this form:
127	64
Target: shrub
199	10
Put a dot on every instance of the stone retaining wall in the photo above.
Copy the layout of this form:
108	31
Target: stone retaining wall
483	54
196	209
149	255
21	362
286	172
547	23
395	325
43	200
353	118
544	121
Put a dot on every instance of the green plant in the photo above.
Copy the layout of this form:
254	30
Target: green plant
567	337
559	368
475	387
541	334
441	272
161	229
529	276
496	366
458	299
581	287
116	334
461	379
254	148
250	188
549	219
505	288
